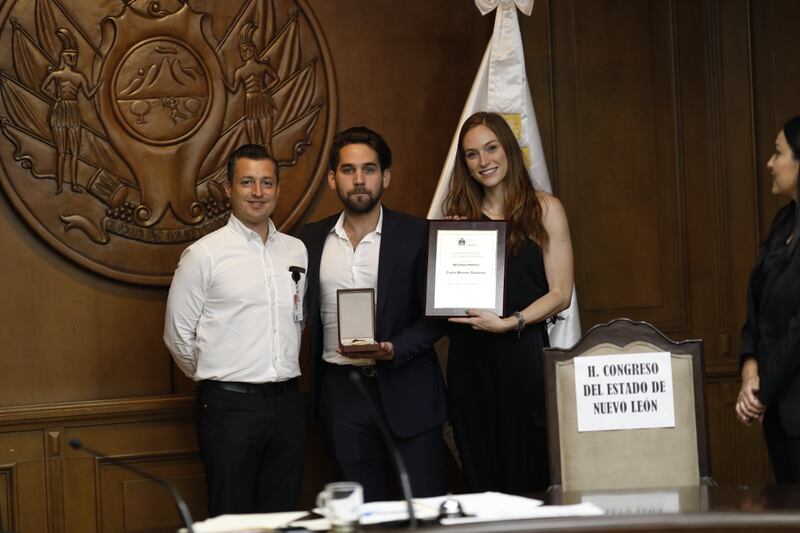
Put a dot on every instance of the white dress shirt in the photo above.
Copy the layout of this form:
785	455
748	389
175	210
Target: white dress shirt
343	267
230	307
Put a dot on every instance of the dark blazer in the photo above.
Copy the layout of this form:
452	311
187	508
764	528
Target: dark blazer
411	386
772	331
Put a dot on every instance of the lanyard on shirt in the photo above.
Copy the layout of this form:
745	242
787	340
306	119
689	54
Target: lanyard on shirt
297	305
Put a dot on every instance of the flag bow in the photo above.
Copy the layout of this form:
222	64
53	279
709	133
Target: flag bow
487	6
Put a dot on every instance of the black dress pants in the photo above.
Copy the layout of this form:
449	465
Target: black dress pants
359	447
784	450
253	448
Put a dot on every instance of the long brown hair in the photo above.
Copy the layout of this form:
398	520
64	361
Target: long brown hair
523	209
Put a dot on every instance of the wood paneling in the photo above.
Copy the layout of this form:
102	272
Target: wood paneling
129	503
8	514
720	162
23	505
404	72
47	486
72	334
776	78
99	494
620	167
657	117
738	453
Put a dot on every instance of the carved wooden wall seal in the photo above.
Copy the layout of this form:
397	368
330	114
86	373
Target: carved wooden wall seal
117	120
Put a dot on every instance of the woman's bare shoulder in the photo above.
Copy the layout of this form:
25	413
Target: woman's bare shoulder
549	202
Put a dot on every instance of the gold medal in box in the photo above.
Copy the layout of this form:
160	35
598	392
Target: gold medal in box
356	316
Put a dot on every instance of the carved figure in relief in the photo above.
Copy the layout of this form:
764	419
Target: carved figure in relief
140	117
255	75
65	118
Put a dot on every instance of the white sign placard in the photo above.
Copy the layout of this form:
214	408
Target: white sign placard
625	391
636	503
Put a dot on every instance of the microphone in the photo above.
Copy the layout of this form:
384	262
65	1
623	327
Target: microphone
183	509
399	465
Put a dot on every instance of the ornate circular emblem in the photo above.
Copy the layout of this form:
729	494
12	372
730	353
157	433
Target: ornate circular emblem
172	90
117	121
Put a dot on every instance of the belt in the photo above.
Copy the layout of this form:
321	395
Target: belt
368	371
274	388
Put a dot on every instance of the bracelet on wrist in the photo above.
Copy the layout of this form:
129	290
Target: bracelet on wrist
520	322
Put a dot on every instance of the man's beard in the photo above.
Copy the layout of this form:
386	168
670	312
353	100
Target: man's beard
359	200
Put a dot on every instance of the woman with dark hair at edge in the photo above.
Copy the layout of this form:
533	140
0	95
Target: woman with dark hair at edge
495	371
770	349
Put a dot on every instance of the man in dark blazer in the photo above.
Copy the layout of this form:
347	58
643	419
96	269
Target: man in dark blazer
370	246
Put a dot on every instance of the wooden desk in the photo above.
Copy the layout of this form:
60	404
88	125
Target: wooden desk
729	509
698	509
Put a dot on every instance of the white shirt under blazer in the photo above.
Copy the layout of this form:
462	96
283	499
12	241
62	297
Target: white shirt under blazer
345	267
230	306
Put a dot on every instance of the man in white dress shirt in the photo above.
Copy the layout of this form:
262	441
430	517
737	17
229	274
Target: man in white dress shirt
233	324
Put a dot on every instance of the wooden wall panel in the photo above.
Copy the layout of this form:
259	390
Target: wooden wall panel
776	78
23	505
738	453
618	147
100	495
69	335
129	503
730	201
8	513
404	72
735	182
716	117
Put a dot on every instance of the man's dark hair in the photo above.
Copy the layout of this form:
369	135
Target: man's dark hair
360	135
256	152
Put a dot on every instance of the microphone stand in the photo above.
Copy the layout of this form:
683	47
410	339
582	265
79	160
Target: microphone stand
399	465
183	509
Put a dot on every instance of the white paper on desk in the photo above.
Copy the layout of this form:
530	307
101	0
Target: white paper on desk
492	503
313	524
381	512
395	511
544	511
480	504
238	523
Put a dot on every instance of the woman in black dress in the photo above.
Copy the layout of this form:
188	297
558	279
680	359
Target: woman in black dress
495	370
770	350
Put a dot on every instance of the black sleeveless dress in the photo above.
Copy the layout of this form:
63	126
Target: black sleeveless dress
496	390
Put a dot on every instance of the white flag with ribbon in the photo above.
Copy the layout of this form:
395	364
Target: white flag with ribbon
501	86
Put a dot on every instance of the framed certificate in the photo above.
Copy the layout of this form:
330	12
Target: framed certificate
356	317
466	267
